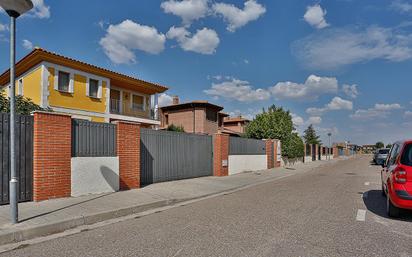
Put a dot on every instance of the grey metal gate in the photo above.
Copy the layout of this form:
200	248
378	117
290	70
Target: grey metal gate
24	157
313	152
167	156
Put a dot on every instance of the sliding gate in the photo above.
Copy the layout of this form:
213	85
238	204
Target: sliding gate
167	156
24	157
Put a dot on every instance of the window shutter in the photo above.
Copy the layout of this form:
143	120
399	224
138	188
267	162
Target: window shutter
100	89
56	79
71	84
87	86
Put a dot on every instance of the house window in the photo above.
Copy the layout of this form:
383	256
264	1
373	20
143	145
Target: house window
63	81
211	115
93	88
138	102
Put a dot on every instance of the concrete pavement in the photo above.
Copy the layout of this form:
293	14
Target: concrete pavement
48	217
314	213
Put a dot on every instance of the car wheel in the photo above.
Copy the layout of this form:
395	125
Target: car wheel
391	209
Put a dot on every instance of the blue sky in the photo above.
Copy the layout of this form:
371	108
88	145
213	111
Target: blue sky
343	65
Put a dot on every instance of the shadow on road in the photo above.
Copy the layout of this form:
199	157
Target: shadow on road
376	203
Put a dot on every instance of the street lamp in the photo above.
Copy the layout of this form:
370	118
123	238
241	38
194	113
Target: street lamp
14	8
329	135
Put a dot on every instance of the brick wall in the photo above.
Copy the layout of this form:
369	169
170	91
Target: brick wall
270	154
128	151
277	162
220	155
51	156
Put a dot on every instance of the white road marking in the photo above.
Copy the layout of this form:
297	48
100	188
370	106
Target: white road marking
367	183
361	215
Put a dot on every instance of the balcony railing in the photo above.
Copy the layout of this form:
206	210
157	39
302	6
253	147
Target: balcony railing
134	110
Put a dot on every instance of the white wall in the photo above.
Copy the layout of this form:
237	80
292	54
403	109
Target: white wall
242	163
308	159
94	175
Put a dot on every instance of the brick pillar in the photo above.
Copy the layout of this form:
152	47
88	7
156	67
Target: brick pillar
270	153
317	152
335	152
277	162
304	152
51	156
128	151
221	155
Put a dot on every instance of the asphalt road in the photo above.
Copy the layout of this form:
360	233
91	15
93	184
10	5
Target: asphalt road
336	210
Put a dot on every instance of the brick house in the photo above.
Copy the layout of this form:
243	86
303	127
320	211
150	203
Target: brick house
235	124
199	117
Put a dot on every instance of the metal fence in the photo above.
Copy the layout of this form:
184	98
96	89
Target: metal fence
93	139
167	156
246	146
24	157
308	150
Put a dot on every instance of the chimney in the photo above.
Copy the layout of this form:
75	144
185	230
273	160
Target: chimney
175	100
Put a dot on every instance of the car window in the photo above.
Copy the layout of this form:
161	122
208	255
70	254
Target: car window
406	158
394	155
384	151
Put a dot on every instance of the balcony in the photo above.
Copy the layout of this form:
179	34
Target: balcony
132	110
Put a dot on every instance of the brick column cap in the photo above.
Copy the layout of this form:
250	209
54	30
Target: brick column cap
126	122
51	113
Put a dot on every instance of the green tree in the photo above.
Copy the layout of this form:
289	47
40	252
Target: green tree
310	136
294	146
24	105
276	123
389	146
379	145
175	128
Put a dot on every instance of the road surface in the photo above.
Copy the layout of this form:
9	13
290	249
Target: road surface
336	210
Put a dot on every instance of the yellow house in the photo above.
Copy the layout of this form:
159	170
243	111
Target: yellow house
83	90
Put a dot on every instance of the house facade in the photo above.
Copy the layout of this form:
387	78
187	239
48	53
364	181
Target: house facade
83	90
235	124
199	117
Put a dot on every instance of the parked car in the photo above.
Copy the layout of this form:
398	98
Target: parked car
396	178
380	156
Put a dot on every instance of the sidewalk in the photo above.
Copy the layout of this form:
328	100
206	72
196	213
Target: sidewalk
53	216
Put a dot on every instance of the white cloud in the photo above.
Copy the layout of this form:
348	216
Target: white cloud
335	104
387	107
246	61
236	17
250	114
165	100
401	6
297	120
408	114
315	120
336	48
362	114
315	16
238	90
204	41
313	87
188	10
121	39
351	90
378	111
3	27
27	44
40	10
338	103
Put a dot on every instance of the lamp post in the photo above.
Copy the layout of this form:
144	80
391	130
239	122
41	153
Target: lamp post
329	151
14	8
